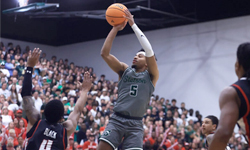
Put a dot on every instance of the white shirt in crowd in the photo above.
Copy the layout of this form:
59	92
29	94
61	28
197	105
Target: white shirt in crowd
180	111
5	92
93	112
192	117
72	93
38	103
97	121
106	98
6	72
18	87
243	140
179	121
71	108
6	119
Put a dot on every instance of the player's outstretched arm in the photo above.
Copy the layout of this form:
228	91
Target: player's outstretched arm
229	105
150	58
28	103
71	123
111	60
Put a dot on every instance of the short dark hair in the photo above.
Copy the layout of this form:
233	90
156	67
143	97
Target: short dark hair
54	111
173	100
20	59
243	56
214	120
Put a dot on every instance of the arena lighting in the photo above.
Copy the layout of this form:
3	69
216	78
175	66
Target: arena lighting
23	3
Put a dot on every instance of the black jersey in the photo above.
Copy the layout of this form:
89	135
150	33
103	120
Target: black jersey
243	90
45	136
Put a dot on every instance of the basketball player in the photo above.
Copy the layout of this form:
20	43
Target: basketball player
209	126
135	88
49	134
234	101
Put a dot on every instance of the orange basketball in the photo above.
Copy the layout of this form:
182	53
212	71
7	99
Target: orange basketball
115	13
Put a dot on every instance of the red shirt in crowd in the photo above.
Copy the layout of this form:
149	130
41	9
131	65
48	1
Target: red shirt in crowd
168	144
18	132
89	146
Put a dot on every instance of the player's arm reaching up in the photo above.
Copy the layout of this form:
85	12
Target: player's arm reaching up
150	58
71	123
28	103
111	60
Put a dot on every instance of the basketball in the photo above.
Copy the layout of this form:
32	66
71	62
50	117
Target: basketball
115	13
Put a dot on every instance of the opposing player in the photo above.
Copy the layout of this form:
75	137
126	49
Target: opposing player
209	126
234	102
49	134
135	88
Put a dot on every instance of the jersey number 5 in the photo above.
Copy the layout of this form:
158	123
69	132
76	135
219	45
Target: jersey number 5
133	90
46	145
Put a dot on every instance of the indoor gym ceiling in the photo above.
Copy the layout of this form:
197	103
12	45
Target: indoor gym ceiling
74	21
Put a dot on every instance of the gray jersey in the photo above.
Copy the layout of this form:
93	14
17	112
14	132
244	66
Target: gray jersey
134	92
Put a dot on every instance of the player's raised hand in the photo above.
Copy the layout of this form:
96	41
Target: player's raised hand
33	57
120	26
129	16
87	82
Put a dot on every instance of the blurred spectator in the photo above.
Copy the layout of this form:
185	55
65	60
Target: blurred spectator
20	68
90	144
4	91
37	100
9	66
6	118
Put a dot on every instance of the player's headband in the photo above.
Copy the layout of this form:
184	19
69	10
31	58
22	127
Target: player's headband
143	53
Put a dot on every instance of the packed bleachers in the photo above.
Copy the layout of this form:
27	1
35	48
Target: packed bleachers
166	126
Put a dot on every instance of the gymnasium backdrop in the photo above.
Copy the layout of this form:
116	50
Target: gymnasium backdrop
196	62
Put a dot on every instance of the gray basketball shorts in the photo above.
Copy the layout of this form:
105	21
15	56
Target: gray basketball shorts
127	130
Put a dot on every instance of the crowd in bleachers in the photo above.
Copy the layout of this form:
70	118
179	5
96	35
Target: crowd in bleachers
166	126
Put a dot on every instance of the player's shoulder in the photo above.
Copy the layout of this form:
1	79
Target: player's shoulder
228	95
229	91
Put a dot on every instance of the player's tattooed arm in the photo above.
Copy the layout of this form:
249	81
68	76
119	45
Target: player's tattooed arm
28	106
28	103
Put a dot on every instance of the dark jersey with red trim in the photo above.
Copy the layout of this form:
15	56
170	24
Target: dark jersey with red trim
243	90
45	136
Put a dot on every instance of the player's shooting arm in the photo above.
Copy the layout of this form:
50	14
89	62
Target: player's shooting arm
111	60
32	113
150	58
71	123
229	105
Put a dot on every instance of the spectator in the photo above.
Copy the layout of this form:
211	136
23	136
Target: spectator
6	118
4	91
43	107
20	68
169	116
93	111
174	107
190	116
81	135
71	142
105	96
9	66
10	145
182	108
14	99
64	100
90	144
19	117
37	100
